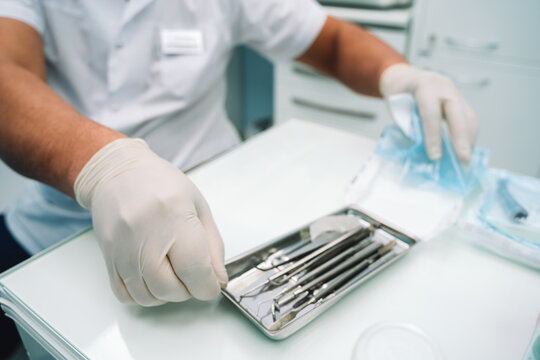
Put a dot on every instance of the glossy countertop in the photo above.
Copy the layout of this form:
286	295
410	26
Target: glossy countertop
474	304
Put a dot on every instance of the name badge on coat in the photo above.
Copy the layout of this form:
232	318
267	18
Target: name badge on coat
181	42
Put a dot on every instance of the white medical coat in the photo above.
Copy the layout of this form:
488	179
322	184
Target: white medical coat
104	57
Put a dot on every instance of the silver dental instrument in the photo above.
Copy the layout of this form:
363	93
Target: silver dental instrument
311	279
314	257
331	287
379	261
373	251
353	235
300	251
319	233
318	270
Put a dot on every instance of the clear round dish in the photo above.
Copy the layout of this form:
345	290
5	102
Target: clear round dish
396	341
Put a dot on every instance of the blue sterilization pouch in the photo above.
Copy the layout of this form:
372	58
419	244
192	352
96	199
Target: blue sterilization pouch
511	206
404	143
505	216
402	186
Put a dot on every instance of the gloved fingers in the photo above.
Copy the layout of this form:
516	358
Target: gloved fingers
137	288
472	122
215	242
163	282
456	117
118	287
429	107
191	260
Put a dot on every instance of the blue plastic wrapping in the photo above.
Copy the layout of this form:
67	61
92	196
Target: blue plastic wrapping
512	210
533	349
402	186
404	143
491	216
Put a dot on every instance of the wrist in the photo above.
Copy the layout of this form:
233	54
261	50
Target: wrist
108	162
87	139
398	78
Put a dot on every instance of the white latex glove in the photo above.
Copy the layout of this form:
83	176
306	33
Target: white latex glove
154	227
437	98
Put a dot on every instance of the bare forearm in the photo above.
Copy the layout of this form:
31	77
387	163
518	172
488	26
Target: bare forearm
41	135
361	59
352	55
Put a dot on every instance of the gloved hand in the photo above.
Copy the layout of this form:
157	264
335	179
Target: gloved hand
437	98
154	228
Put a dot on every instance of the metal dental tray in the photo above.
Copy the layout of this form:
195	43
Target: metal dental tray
252	288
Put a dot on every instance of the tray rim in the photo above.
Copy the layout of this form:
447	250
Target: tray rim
288	330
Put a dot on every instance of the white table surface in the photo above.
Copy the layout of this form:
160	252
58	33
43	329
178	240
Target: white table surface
472	303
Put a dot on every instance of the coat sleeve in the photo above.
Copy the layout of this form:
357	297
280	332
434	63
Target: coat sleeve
278	29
